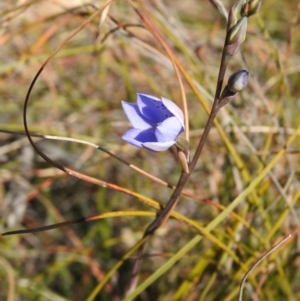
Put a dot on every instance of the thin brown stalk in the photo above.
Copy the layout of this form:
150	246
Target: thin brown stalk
173	200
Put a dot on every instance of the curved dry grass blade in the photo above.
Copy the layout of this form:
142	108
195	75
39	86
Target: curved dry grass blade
157	34
46	158
69	171
80	220
61	138
259	262
45	228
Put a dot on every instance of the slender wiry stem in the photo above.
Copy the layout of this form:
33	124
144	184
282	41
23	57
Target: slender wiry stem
171	204
165	213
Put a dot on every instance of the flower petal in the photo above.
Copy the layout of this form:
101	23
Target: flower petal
158	146
138	137
174	109
168	130
152	108
135	117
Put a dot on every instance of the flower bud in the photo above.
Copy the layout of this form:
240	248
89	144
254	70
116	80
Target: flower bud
237	32
254	6
236	83
238	80
234	14
251	8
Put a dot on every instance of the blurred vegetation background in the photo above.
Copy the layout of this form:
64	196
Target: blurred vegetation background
79	95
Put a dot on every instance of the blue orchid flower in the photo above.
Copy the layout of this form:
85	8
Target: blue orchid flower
157	122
